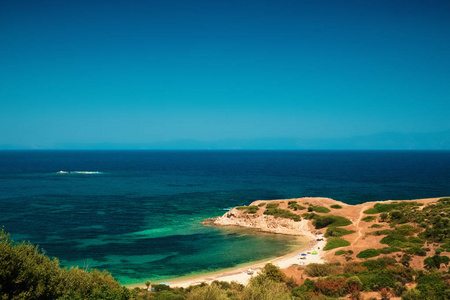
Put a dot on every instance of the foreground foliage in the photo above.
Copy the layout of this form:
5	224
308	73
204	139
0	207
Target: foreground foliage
25	273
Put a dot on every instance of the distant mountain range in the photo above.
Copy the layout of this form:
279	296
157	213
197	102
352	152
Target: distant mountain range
379	141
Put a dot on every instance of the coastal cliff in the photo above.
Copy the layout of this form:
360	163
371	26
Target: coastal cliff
348	229
276	216
266	223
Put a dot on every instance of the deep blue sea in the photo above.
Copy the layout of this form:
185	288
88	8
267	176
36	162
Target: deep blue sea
138	215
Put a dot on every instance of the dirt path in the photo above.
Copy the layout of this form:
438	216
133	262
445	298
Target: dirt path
361	214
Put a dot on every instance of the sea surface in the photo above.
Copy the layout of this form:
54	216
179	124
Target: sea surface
137	214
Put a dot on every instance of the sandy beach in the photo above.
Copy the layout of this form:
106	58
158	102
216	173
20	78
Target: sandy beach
240	274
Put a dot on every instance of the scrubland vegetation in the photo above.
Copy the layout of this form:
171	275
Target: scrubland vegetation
273	210
336	206
415	233
252	209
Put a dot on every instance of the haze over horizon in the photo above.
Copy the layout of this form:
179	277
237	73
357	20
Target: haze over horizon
145	73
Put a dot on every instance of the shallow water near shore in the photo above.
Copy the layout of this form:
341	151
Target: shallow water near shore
138	213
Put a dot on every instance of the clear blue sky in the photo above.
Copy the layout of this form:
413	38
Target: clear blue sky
85	72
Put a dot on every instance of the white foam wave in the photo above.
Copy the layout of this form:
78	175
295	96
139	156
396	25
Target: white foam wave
79	172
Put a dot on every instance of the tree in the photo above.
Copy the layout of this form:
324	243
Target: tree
272	272
26	273
207	292
263	288
405	260
148	283
435	261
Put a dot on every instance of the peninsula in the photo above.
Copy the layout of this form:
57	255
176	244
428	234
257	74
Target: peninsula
375	250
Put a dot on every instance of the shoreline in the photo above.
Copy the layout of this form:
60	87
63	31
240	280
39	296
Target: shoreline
239	273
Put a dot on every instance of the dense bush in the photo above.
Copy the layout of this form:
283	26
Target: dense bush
272	272
261	287
306	289
376	281
330	220
282	213
368	218
272	205
387	207
368	253
389	250
354	280
207	292
322	270
336	206
433	286
435	261
295	206
397	240
252	209
337	232
25	273
320	209
333	243
335	287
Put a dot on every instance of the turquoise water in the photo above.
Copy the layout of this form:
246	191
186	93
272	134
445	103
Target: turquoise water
139	216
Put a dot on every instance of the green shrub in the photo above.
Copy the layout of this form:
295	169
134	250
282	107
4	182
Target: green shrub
306	288
445	200
320	209
340	252
389	250
334	287
272	272
371	211
309	216
323	270
354	280
207	292
272	205
375	265
383	279
438	251
337	232
446	246
252	209
25	273
261	287
282	213
432	285
416	250
368	253
295	206
387	207
368	218
261	204
333	243
170	295
330	220
435	261
394	240
336	206
376	226
412	294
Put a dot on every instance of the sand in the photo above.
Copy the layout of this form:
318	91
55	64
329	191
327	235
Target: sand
360	240
240	274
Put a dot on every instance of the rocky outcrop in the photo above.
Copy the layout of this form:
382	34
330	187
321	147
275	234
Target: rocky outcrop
267	223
